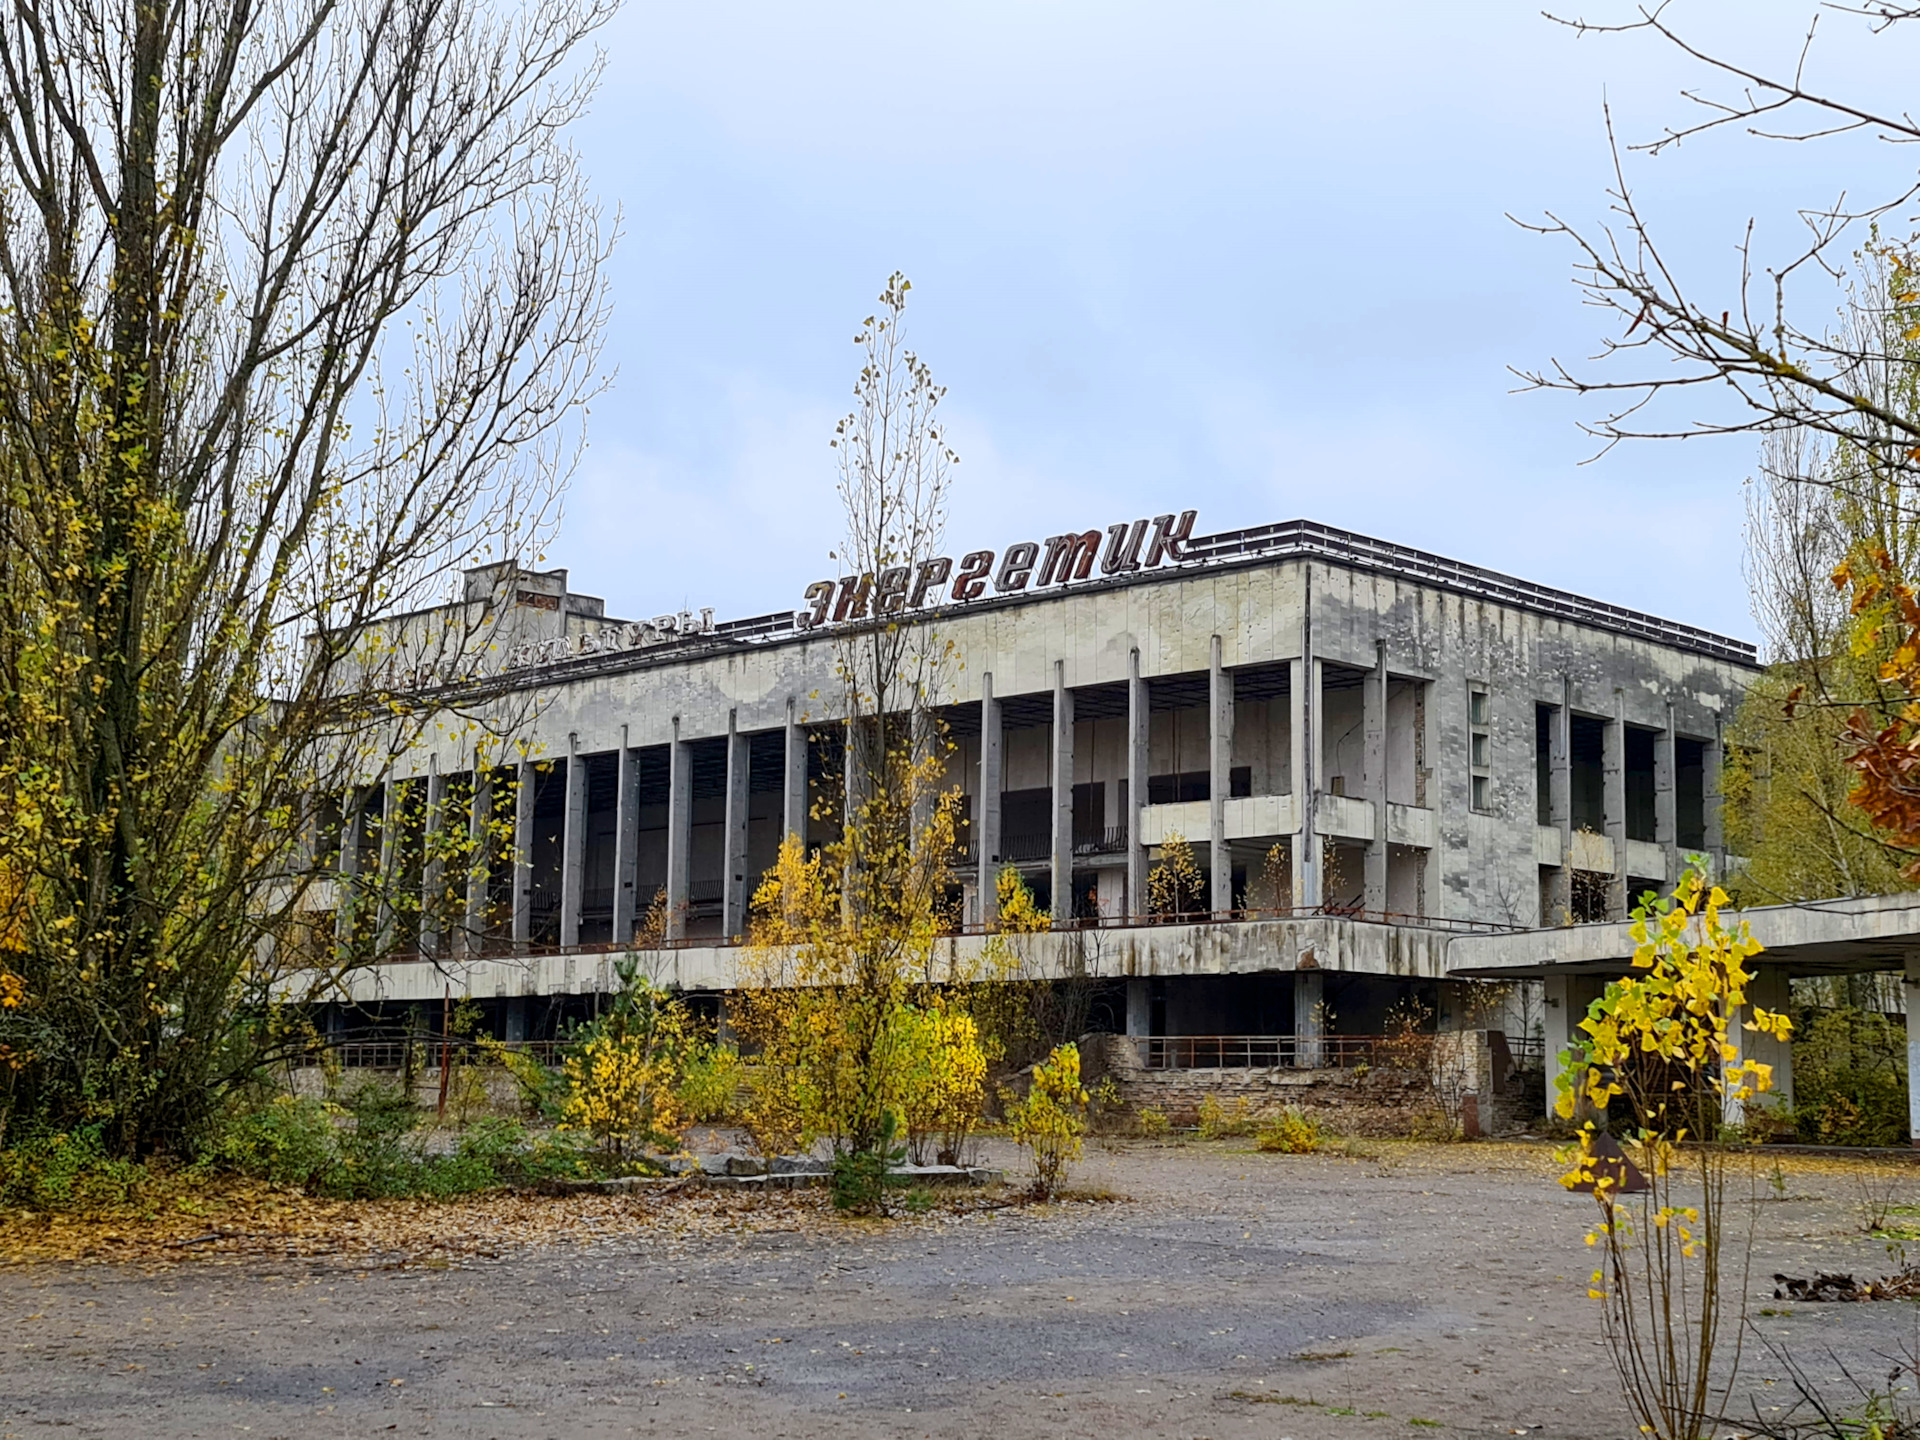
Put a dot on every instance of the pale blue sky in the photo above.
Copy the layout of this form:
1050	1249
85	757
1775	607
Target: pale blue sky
1247	258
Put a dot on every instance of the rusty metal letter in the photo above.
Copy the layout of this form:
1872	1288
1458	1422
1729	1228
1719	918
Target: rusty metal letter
1168	536
1016	566
854	590
891	593
971	582
1123	548
933	574
819	595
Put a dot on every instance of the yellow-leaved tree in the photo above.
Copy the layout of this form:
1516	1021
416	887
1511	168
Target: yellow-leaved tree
1664	1043
1051	1118
624	1071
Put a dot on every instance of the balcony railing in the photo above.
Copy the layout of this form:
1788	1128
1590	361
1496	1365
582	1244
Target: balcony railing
1262	1052
1327	1052
496	948
426	1050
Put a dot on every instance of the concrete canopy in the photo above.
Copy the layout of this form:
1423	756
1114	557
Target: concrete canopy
1821	937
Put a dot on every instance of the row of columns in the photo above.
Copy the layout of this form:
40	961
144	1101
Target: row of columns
1614	800
1305	678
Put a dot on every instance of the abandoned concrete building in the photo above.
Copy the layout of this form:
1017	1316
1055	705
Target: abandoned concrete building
1371	750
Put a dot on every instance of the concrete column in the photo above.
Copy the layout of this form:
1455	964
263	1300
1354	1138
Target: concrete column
1913	1046
986	810
1711	759
433	883
1614	788
526	781
1303	689
626	841
573	845
1138	711
390	812
1062	779
1666	814
679	831
1560	804
1373	726
733	901
1139	1006
473	928
1770	989
1558	1035
1220	777
346	884
793	803
1309	1018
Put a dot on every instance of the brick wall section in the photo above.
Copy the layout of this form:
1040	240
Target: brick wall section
1360	1101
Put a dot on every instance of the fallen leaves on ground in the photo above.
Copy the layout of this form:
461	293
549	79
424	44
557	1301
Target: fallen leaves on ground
212	1221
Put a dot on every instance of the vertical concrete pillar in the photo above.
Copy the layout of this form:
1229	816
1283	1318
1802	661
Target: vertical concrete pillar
573	846
1560	804
926	785
1613	773
1771	989
1912	987
1711	760
1309	1018
1666	814
473	928
1220	777
1373	727
1303	699
1062	779
793	791
1138	712
391	808
346	884
526	781
626	841
1561	1015
432	870
679	831
986	812
733	901
1139	1006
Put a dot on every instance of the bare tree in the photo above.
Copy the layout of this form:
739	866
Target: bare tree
1838	404
301	304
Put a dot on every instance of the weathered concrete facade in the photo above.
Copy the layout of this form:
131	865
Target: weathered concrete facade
1367	746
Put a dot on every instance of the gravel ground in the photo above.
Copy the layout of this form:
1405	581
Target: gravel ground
1224	1293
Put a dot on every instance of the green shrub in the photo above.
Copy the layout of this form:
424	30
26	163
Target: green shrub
69	1171
1291	1132
1153	1121
378	1154
710	1081
1219	1123
285	1141
1850	1079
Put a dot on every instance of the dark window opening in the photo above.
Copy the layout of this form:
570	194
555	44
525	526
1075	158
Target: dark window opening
1641	824
1177	789
1543	764
1690	793
1589	745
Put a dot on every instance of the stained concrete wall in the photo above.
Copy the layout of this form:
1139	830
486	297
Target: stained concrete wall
1437	644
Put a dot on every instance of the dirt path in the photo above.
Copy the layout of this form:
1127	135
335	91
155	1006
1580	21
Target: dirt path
1232	1294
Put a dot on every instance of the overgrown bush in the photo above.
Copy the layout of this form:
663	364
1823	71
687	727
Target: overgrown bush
1050	1120
378	1154
1218	1122
286	1141
625	1069
67	1171
1291	1132
1850	1079
710	1082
